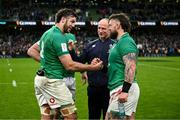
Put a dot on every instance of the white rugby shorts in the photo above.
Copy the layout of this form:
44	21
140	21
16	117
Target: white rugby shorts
53	92
132	101
71	84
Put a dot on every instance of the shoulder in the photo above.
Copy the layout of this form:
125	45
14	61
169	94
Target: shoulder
127	44
128	40
70	36
59	37
92	43
112	41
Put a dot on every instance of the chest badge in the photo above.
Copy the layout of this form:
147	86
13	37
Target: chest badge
93	46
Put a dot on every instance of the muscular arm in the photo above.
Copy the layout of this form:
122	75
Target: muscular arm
130	66
71	65
33	52
75	57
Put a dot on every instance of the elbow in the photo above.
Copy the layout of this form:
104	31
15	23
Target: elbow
29	52
69	67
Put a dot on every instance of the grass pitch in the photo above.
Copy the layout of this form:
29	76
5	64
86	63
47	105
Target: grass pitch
158	78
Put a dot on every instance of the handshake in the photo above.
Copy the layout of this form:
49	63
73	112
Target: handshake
98	63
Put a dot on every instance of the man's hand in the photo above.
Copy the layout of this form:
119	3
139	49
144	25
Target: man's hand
95	61
123	97
98	65
71	45
84	78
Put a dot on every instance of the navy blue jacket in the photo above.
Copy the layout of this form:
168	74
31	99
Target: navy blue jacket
96	49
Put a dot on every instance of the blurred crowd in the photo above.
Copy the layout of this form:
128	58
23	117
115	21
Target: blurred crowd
150	43
88	10
16	45
158	43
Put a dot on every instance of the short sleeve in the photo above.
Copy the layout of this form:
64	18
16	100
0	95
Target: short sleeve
127	46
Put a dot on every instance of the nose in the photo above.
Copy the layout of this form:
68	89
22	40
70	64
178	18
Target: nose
100	30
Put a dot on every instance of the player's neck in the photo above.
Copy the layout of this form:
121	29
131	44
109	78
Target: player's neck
120	34
60	26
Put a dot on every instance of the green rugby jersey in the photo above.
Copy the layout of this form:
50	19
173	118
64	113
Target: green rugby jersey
53	44
116	65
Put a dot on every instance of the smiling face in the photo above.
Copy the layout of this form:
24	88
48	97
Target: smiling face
103	30
69	24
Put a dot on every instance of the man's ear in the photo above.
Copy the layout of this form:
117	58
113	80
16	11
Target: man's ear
63	19
118	25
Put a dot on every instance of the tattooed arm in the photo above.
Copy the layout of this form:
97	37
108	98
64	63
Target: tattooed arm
130	67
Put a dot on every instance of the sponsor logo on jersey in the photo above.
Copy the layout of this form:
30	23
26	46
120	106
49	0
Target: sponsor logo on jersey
64	47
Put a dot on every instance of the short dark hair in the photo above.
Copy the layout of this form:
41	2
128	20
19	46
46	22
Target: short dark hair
123	19
65	12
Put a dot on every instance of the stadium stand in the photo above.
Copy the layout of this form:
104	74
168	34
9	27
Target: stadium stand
159	40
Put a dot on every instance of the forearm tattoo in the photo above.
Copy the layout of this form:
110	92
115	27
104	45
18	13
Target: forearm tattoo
130	66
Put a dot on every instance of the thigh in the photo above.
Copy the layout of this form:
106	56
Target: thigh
38	82
71	84
94	96
105	101
94	104
56	93
130	105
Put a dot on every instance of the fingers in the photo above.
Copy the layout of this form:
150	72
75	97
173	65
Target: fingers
95	61
84	78
123	97
71	45
70	42
84	81
122	100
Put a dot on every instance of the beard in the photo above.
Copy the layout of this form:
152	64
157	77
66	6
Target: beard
66	28
114	35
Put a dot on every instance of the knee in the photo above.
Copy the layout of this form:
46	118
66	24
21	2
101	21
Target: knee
69	112
72	116
45	109
46	112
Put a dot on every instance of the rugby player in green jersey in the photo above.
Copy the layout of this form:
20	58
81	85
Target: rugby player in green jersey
122	67
69	78
50	88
